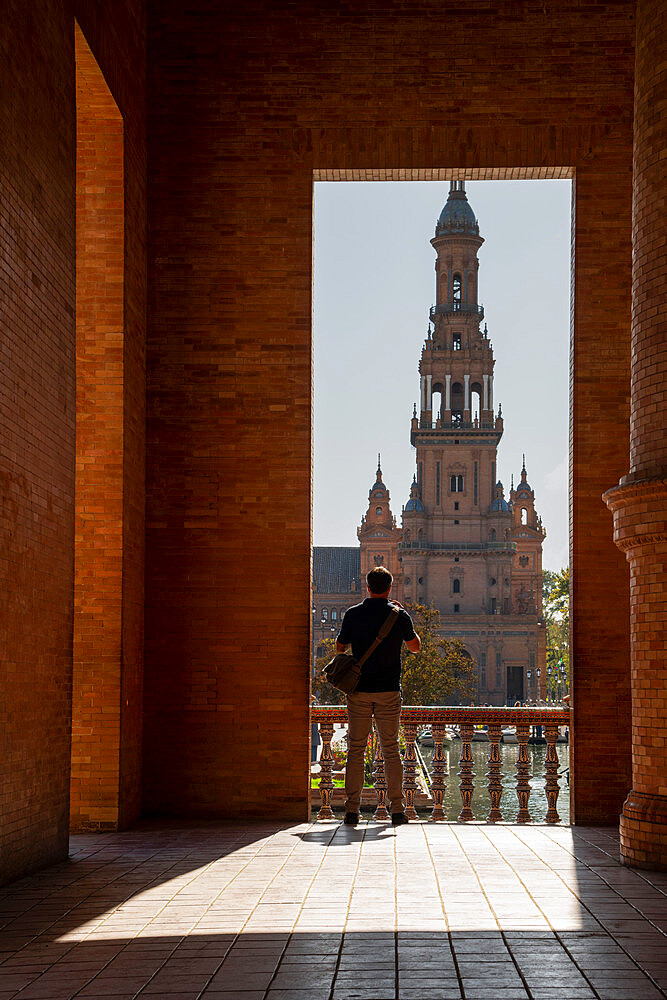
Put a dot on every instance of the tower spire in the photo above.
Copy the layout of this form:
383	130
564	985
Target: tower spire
379	469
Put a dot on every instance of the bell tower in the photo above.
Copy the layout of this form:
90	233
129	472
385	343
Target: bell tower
379	536
461	536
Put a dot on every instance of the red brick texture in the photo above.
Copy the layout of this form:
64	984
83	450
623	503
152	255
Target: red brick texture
98	564
110	483
37	406
246	109
248	106
639	504
37	427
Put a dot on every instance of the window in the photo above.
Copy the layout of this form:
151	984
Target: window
497	677
474	498
456	484
494	602
378	511
483	677
456	522
456	586
334	615
456	558
325	614
492	535
456	291
456	505
482	659
456	609
498	660
492	581
524	516
437	483
456	342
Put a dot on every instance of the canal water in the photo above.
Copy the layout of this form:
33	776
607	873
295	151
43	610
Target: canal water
509	803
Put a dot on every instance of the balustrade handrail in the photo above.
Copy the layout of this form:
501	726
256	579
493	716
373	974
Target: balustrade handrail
478	715
465	719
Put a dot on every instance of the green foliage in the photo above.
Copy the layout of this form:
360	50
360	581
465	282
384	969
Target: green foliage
556	610
324	692
442	673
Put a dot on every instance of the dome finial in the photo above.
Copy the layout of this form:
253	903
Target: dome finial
379	469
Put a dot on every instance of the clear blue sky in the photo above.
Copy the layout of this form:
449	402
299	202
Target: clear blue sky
373	286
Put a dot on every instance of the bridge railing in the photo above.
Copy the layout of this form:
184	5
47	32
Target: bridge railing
466	721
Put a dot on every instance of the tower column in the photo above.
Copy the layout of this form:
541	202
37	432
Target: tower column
429	393
466	397
422	393
639	502
490	392
485	404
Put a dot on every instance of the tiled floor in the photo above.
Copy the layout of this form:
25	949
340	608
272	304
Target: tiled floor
325	912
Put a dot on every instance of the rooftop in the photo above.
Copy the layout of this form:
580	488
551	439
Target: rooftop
326	912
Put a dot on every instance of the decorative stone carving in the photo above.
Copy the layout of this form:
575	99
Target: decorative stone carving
551	767
326	785
380	777
523	773
410	770
466	764
439	764
493	774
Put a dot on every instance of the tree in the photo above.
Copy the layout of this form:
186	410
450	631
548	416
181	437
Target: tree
323	691
556	610
442	672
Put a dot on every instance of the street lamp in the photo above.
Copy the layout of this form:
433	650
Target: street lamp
538	684
529	675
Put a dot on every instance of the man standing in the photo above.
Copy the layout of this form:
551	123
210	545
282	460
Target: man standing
378	692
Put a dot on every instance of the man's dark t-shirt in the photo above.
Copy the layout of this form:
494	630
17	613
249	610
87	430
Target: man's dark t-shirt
361	624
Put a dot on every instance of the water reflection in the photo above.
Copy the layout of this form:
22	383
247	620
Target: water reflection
509	804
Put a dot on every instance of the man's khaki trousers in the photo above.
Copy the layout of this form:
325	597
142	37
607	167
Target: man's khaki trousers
361	707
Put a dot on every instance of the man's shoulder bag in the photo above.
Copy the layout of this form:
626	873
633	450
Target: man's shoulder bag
344	671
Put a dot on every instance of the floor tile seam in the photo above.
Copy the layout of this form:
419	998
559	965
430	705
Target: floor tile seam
444	912
637	873
609	933
110	960
301	909
594	872
198	873
71	910
500	928
55	891
347	914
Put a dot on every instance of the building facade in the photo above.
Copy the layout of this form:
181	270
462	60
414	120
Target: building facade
462	545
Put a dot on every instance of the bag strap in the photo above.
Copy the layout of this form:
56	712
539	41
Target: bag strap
387	626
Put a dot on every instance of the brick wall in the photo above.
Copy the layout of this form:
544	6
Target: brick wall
37	404
37	418
111	321
246	108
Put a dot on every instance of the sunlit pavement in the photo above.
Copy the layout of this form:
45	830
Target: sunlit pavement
326	912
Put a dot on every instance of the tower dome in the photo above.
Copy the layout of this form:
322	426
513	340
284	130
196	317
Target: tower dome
457	216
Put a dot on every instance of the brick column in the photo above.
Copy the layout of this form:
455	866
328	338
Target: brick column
639	502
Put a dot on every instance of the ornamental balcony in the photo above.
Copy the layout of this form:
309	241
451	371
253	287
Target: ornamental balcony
423	787
446	308
459	546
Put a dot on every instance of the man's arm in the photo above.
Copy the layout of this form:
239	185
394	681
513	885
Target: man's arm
341	647
414	645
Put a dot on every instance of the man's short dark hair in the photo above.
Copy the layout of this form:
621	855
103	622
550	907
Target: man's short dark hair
379	580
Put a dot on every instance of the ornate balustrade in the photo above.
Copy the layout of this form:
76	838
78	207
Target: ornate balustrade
465	720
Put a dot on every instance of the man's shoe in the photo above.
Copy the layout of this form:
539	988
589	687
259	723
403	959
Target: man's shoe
351	819
398	819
